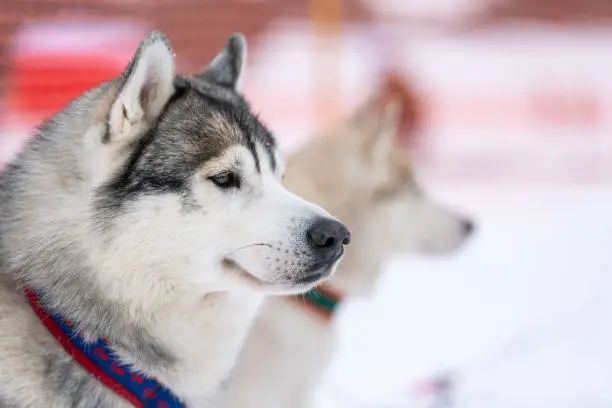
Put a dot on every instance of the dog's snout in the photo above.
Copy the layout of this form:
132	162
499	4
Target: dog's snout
468	227
327	237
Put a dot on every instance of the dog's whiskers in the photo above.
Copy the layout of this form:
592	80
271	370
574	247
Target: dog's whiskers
247	246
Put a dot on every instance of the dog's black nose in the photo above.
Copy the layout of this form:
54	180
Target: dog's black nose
468	227
327	237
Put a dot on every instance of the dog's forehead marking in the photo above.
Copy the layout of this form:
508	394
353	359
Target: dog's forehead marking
235	158
238	158
270	164
235	118
280	162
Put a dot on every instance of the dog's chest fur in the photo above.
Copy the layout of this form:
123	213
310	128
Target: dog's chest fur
36	372
206	360
302	349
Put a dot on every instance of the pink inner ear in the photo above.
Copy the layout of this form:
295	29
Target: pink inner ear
412	113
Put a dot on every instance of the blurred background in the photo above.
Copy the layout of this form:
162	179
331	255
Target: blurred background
511	118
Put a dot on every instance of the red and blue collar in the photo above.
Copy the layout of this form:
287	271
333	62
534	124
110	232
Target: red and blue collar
98	359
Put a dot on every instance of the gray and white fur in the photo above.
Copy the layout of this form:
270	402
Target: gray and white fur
150	211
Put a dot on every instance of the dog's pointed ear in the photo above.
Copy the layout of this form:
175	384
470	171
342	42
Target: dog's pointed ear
147	85
378	121
227	67
365	113
391	116
387	130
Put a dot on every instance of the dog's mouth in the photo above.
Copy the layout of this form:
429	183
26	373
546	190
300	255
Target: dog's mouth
304	283
313	278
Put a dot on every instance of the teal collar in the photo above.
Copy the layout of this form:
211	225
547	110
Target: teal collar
321	302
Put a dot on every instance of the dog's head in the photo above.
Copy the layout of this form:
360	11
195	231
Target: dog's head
406	219
360	172
185	181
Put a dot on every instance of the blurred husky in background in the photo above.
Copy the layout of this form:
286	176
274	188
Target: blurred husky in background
360	171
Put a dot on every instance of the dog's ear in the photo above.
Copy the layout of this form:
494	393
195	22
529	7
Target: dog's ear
365	113
391	116
147	85
378	121
385	138
226	68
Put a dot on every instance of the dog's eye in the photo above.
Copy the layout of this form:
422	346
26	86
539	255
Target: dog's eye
224	180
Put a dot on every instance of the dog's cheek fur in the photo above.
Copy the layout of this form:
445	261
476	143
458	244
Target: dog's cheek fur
5	403
178	248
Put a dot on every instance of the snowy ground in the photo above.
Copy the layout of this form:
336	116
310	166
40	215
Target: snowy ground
523	314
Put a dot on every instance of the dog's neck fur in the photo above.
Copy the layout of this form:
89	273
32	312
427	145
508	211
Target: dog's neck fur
163	342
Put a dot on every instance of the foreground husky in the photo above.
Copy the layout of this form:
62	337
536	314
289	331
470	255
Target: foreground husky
359	173
139	232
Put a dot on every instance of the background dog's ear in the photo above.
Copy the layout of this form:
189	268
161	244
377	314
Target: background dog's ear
147	85
226	69
365	113
378	121
391	116
385	138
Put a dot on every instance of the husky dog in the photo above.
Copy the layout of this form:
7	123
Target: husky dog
358	172
149	215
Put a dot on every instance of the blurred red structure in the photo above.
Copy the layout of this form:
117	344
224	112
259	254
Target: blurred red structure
197	29
48	66
552	11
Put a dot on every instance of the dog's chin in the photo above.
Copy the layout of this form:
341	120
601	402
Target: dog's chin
434	249
279	287
304	284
